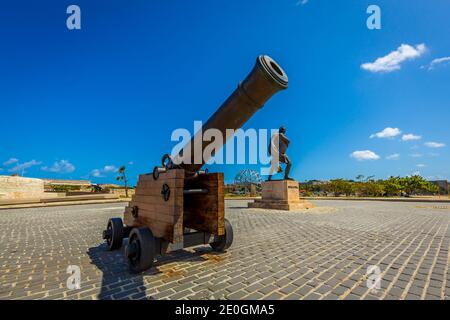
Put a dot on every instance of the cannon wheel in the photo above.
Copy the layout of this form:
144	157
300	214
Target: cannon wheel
140	250
224	241
114	233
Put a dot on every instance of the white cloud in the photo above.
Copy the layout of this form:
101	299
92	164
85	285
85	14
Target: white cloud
62	166
432	144
364	155
96	173
421	165
99	173
393	60
394	156
10	161
410	137
416	155
20	167
386	133
437	62
110	168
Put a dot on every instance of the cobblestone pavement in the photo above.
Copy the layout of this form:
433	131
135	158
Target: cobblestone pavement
323	254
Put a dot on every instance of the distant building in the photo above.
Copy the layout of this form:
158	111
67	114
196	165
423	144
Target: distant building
314	182
58	184
107	186
444	186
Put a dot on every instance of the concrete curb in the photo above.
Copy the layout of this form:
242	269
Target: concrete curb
242	198
58	204
423	200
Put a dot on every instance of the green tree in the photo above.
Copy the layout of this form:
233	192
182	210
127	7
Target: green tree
341	186
372	189
393	186
434	189
416	184
369	187
123	177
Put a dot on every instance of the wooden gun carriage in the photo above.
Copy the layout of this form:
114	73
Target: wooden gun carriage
179	205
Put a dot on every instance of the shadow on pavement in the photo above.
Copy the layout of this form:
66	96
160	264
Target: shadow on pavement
117	280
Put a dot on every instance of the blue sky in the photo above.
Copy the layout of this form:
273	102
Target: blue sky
78	104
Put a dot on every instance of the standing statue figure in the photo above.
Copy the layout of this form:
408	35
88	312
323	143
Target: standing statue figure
277	149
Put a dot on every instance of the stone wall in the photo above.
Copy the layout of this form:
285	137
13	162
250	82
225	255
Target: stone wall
121	192
17	188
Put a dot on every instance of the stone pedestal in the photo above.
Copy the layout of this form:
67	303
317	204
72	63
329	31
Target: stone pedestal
281	195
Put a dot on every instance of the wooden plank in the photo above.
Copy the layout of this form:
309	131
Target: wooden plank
175	200
164	218
158	208
170	174
164	226
149	185
205	212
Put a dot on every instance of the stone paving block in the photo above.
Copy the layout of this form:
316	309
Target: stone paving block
268	289
323	289
237	295
282	255
340	290
273	296
434	291
330	296
396	292
415	290
303	291
432	297
254	296
288	289
411	296
312	296
180	295
352	296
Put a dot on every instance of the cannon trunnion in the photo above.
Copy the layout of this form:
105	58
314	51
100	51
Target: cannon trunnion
178	205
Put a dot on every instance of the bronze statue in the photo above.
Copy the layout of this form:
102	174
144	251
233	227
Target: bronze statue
277	149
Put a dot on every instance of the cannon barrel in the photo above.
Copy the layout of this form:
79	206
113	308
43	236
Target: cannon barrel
266	79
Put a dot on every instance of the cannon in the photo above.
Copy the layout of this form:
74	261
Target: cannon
179	205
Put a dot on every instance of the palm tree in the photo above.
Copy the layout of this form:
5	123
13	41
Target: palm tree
122	177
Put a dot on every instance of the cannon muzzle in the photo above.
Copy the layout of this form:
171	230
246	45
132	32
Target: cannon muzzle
266	79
